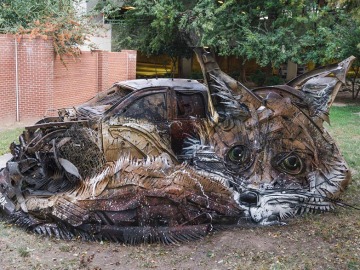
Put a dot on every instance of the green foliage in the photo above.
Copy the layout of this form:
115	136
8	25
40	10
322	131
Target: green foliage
332	35
274	80
271	32
346	42
167	75
350	6
108	7
268	31
24	252
16	13
347	39
258	77
234	74
61	20
153	28
260	30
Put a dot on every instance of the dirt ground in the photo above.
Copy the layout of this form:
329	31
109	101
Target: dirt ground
314	241
344	99
14	125
328	241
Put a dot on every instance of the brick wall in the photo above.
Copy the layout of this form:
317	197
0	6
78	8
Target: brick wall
103	70
46	84
36	77
122	66
7	78
76	82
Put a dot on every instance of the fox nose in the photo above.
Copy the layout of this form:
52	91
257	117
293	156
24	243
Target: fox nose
249	198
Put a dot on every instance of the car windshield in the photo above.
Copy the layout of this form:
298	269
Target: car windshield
99	104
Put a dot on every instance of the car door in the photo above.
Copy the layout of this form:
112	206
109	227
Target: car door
189	114
138	127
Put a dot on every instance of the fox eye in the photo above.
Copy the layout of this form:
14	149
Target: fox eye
237	154
289	163
238	159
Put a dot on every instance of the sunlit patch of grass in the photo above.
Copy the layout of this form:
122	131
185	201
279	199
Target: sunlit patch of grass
65	248
345	129
7	137
24	252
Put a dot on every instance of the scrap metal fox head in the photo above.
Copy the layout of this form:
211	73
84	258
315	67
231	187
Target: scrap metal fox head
172	160
273	145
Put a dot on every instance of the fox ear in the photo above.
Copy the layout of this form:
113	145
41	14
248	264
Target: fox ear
212	73
320	89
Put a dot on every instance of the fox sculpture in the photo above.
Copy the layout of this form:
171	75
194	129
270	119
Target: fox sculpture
259	156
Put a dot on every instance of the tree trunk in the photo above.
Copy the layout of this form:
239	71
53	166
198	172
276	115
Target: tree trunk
242	71
268	71
180	68
353	82
291	68
173	66
184	67
321	3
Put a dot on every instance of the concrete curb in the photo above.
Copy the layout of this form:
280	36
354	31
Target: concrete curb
3	159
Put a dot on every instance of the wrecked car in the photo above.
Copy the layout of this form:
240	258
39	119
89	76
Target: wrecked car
169	160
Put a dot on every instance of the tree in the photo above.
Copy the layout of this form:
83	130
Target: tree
61	20
350	6
347	38
260	30
152	27
269	31
347	43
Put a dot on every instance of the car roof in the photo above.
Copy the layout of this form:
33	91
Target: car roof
177	84
99	104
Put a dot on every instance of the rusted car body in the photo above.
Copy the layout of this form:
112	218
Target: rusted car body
172	159
171	107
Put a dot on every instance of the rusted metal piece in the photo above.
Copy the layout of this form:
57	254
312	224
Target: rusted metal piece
57	124
168	160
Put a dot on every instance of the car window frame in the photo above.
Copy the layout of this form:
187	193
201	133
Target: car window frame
136	95
189	92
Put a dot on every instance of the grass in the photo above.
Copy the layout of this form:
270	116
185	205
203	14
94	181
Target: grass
24	252
65	248
7	137
345	128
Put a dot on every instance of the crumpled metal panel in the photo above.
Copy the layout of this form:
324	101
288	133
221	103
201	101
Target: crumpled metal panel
176	83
